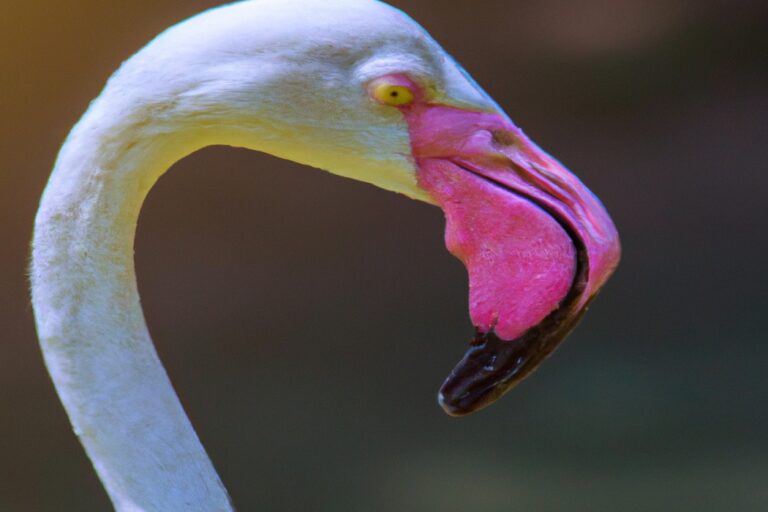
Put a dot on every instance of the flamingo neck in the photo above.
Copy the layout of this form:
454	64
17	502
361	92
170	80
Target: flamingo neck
92	331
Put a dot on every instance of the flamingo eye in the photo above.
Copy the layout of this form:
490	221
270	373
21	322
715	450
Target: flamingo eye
392	94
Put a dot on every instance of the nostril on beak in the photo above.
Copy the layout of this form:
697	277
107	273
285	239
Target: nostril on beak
503	138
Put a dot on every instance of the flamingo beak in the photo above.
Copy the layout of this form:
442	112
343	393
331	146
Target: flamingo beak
537	244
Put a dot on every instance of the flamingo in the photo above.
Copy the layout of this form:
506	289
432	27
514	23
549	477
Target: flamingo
353	87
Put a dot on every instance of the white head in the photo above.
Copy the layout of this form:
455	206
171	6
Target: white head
291	78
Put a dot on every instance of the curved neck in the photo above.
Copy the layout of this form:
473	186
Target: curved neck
92	331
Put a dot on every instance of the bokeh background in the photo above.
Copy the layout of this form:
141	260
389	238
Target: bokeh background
307	321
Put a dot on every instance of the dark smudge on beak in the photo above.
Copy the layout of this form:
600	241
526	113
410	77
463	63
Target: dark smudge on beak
492	366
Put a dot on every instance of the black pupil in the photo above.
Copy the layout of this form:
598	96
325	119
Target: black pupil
393	94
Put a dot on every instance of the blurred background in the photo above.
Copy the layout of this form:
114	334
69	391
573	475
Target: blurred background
307	321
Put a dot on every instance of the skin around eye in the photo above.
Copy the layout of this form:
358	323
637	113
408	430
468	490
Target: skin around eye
388	93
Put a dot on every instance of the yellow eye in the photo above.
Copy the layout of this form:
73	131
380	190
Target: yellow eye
391	94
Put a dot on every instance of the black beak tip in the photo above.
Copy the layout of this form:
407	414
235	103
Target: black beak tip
489	369
492	366
451	406
466	404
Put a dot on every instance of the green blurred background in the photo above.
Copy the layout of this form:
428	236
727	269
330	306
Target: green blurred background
307	321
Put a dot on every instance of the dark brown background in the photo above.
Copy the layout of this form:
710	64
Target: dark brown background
307	321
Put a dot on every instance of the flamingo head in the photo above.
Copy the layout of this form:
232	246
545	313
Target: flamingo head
357	88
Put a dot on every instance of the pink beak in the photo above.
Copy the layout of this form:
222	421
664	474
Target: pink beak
537	244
